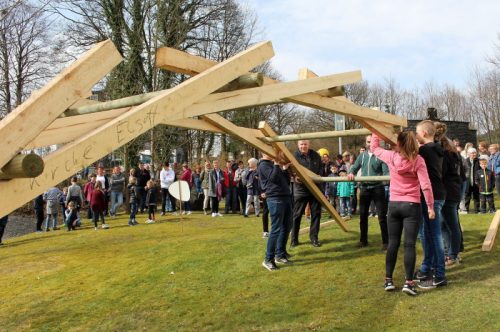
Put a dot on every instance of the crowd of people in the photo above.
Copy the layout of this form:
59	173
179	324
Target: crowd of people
433	180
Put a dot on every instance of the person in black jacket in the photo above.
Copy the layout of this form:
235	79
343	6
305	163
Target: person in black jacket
3	225
471	167
274	181
311	160
485	182
151	200
143	176
38	207
133	195
453	177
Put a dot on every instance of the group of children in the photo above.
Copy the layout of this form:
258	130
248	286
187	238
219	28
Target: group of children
343	191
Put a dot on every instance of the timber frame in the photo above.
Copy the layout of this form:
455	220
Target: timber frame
47	117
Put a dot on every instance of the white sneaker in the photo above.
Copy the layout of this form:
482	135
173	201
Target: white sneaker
189	212
95	228
105	226
183	212
175	214
265	234
214	215
162	214
218	215
149	221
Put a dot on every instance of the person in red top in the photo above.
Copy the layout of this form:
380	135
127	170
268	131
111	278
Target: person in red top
87	191
98	205
408	175
187	175
232	203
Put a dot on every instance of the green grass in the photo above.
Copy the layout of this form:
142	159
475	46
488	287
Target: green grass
205	274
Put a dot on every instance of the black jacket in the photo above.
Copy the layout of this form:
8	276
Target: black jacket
453	176
132	193
311	161
433	156
142	176
485	180
151	198
274	181
471	168
38	203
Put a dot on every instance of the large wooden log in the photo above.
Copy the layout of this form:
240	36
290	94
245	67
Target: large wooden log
317	135
22	166
356	179
30	118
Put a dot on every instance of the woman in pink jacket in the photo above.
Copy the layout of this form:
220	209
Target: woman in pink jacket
408	175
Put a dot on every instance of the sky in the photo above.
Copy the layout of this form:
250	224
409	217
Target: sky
411	41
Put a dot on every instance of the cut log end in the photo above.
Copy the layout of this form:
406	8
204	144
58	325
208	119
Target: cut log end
22	166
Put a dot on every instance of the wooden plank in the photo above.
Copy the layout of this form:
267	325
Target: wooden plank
317	135
489	240
29	119
250	136
96	144
305	73
188	63
306	180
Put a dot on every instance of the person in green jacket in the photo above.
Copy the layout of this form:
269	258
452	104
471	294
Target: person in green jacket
344	191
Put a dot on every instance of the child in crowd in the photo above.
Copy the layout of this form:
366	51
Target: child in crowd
52	197
331	187
151	200
133	195
252	183
87	191
71	216
75	194
344	191
485	181
62	200
98	204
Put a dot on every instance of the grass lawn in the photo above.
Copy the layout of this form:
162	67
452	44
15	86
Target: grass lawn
203	273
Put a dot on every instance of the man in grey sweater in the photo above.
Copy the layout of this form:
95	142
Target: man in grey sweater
116	186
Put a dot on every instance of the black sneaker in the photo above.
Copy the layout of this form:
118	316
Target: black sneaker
409	288
426	284
421	276
294	244
389	285
282	260
316	243
271	266
440	282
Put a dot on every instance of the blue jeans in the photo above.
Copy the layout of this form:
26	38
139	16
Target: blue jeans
345	206
432	241
451	229
54	221
280	209
133	211
116	201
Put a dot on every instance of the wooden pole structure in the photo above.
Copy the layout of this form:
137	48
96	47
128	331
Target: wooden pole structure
356	179
318	135
243	82
489	240
22	166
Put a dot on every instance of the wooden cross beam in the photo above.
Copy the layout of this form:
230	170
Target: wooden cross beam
96	144
489	240
30	118
304	177
317	135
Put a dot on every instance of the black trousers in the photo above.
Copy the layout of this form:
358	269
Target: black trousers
299	206
402	217
40	218
472	192
265	217
486	199
366	196
215	204
141	199
165	195
242	196
3	225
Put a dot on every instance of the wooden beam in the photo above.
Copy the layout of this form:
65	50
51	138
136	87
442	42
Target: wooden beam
96	144
317	135
356	178
22	166
305	73
191	65
306	180
30	118
250	136
489	240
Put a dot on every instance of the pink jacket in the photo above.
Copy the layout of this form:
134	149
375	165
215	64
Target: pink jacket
407	178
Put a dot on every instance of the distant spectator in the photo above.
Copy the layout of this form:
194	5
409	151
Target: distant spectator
38	207
104	180
331	187
482	148
132	195
494	164
98	205
471	167
3	225
75	194
52	197
241	188
485	181
143	176
252	180
151	200
116	188
204	177
345	190
196	180
232	203
215	187
71	216
187	175
464	152
167	177
87	192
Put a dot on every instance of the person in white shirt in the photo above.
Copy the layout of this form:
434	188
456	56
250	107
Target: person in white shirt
167	177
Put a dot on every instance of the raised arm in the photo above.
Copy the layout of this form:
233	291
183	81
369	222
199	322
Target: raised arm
382	154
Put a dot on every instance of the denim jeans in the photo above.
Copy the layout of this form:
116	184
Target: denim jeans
432	241
280	209
116	201
451	230
232	203
345	206
133	211
54	220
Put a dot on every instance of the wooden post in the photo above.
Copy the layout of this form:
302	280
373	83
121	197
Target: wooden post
22	166
23	124
489	240
317	135
306	180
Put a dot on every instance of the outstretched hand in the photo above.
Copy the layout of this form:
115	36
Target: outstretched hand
432	214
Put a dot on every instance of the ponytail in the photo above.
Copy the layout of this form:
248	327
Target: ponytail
408	146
